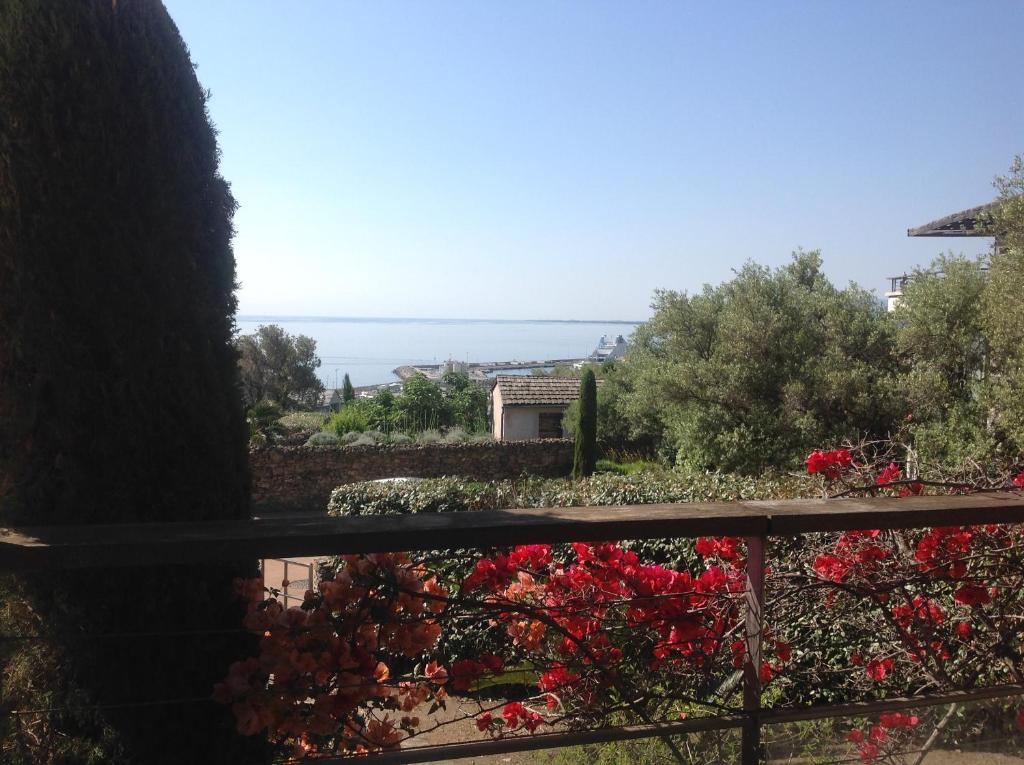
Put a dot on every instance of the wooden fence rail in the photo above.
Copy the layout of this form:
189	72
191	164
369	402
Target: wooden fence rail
67	547
140	544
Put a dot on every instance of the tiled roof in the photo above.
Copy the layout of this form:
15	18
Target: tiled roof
958	224
530	390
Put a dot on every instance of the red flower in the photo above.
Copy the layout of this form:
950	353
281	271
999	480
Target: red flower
483	722
783	651
897	720
877	669
890	474
1018	480
972	595
830	463
911	490
831	568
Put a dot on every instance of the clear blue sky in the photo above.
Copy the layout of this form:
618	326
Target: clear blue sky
563	160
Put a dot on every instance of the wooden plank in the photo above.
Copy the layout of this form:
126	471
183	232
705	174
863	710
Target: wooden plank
283	537
801	516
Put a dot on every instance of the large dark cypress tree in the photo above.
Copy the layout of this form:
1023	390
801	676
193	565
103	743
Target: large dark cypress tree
585	451
348	393
118	392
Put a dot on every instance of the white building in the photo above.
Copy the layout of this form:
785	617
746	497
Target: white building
530	406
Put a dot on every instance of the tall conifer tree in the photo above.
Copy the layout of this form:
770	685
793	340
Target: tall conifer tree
119	397
585	455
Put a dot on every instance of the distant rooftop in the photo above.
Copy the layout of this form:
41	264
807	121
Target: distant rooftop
962	223
534	390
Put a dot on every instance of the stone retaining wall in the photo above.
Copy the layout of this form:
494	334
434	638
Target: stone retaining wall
302	477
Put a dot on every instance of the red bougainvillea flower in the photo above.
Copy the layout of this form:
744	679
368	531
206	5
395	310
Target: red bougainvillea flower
832	568
890	474
897	720
912	490
868	752
829	463
877	669
516	715
484	721
1018	480
972	595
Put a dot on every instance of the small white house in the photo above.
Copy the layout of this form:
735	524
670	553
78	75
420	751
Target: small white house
528	406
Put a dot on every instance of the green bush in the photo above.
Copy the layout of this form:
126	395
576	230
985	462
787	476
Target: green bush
355	416
428	436
349	438
455	436
303	420
401	439
323	439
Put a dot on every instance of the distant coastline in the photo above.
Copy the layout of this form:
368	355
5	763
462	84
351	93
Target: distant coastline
412	320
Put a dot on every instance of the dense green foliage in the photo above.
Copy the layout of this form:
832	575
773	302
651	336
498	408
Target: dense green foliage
585	446
766	367
279	367
118	379
758	370
456	405
347	391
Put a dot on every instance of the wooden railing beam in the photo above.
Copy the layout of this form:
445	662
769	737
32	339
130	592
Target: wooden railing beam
169	543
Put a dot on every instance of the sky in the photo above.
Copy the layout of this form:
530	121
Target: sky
562	160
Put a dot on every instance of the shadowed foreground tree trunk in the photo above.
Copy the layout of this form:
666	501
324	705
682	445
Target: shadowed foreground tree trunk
118	382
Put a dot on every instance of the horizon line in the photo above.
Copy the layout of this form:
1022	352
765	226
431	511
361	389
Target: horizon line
299	317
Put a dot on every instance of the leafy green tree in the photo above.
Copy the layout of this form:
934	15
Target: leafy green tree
759	370
117	274
465	401
1002	313
421	405
347	391
944	352
277	366
585	448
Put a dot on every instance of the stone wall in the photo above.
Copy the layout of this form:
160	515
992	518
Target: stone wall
302	477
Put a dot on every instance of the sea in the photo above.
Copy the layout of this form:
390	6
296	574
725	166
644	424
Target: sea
368	349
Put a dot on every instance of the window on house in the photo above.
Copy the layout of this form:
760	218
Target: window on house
550	425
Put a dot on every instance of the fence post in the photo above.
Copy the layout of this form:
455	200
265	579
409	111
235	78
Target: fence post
753	626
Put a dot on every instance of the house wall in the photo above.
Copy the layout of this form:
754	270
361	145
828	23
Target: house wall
497	412
521	423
